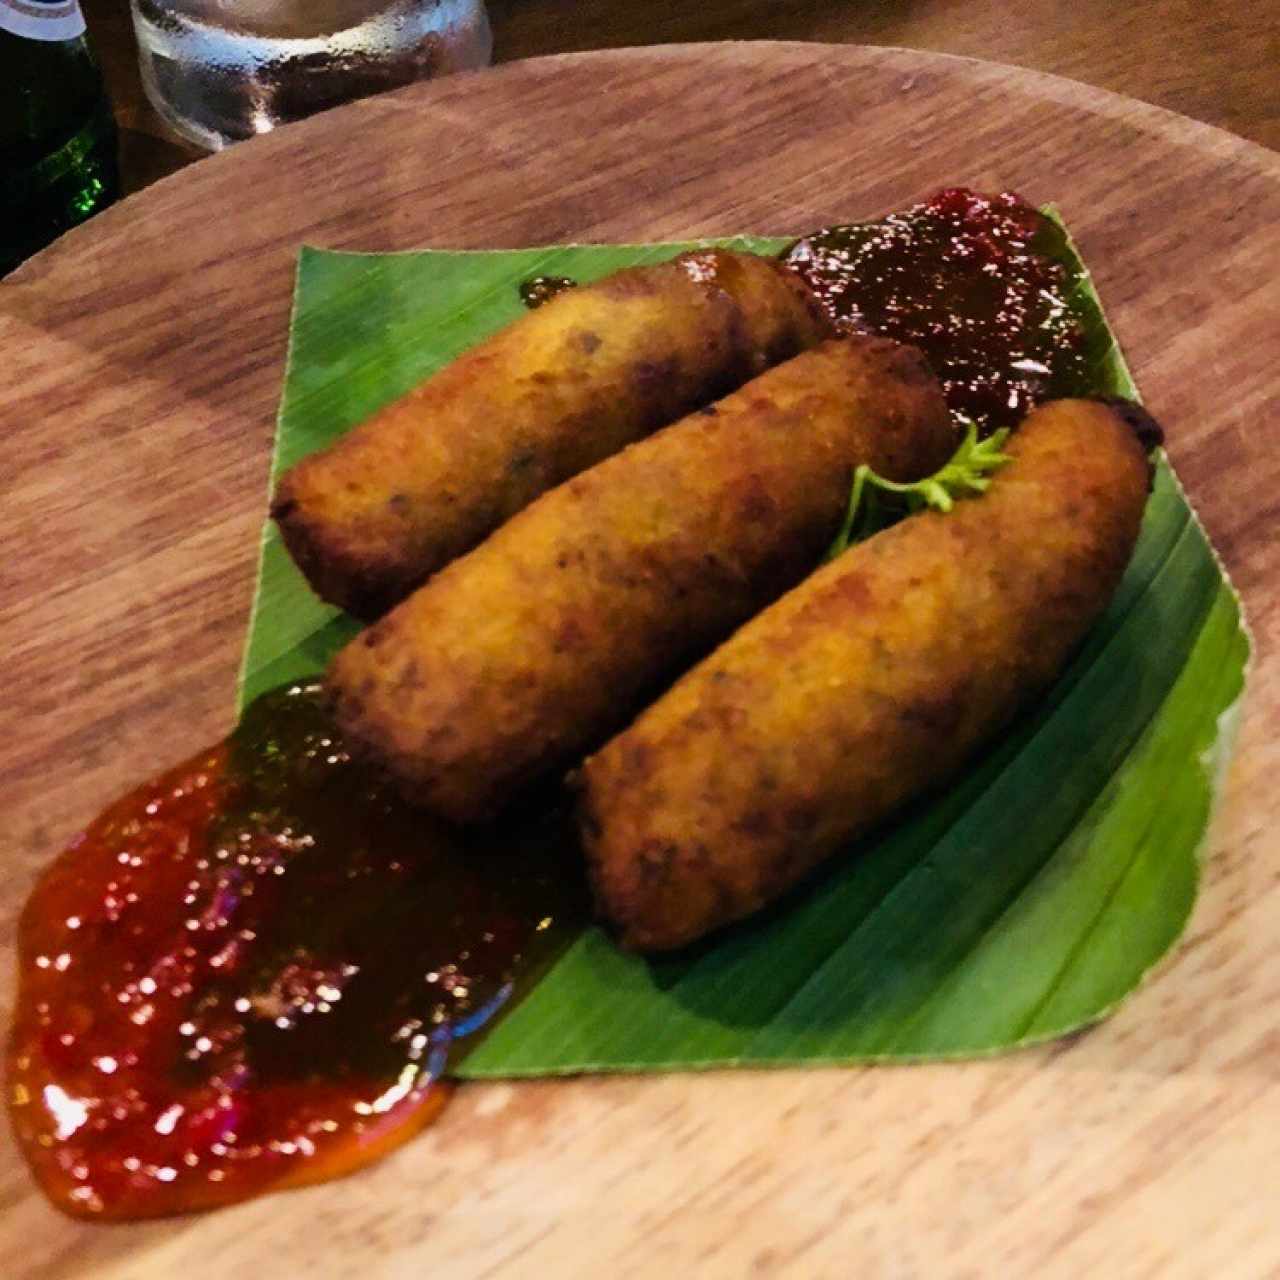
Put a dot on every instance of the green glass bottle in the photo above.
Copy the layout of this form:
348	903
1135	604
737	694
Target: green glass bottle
58	162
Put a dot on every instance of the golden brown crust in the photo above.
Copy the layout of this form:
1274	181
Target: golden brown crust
430	475
873	680
548	635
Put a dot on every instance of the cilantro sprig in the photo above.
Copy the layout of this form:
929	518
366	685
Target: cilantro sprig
875	503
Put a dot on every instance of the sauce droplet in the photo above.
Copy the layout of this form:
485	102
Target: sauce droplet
541	289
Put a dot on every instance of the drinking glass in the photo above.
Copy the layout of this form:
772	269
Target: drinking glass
222	70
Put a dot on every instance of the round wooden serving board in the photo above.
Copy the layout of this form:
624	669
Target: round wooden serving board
143	357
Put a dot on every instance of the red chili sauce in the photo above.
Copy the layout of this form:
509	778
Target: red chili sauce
248	974
976	283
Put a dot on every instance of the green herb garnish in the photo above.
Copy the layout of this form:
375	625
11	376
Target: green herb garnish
965	474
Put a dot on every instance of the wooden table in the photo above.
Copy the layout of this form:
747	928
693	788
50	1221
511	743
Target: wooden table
1214	62
143	359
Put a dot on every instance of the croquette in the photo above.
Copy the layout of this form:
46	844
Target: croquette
871	682
564	386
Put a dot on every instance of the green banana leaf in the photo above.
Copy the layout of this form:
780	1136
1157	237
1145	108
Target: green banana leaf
1024	901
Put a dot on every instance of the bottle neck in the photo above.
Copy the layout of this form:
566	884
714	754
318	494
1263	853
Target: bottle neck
45	20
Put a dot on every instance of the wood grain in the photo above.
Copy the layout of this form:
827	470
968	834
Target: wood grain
1215	62
143	362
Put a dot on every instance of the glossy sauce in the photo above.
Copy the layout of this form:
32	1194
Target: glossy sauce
972	280
250	972
539	289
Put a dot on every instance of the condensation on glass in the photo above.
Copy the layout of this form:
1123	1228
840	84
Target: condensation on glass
222	70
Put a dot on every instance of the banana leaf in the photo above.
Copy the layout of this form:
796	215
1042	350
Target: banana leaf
1021	903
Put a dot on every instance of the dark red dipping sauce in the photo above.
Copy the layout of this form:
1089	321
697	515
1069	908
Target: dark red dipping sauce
250	972
976	282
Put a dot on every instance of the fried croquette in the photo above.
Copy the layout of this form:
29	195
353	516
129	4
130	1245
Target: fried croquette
871	682
432	474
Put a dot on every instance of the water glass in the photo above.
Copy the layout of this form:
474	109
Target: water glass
222	70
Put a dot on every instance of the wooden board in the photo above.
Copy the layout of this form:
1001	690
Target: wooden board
143	358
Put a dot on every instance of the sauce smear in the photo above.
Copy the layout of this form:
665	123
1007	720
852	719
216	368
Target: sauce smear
974	281
248	974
